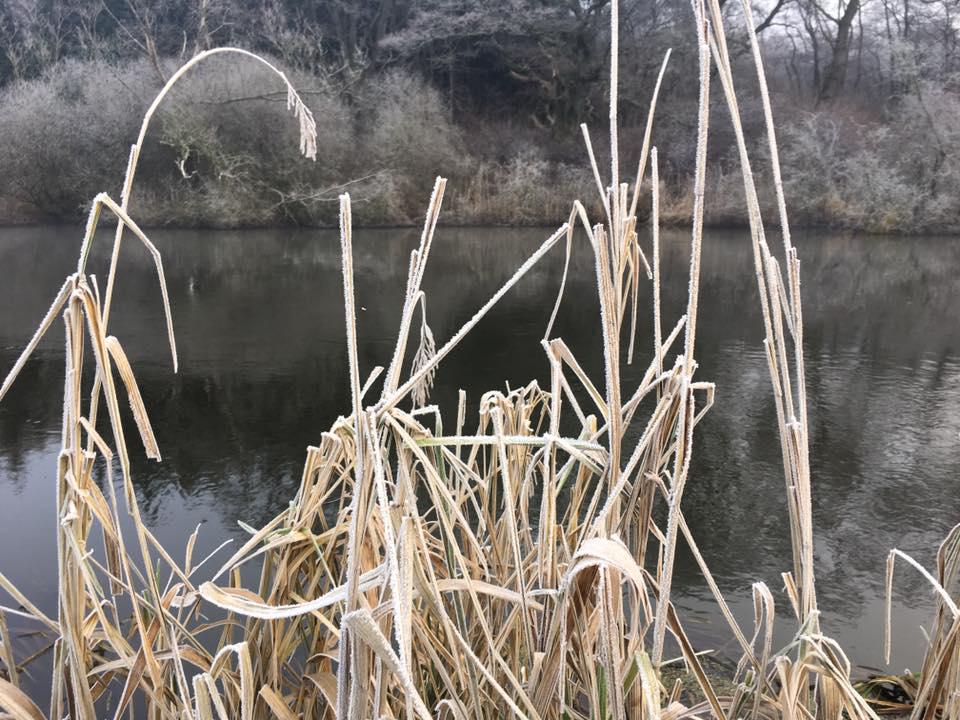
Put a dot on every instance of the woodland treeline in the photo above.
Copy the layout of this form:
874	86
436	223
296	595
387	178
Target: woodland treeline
488	92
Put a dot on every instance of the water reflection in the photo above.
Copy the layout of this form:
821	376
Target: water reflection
259	321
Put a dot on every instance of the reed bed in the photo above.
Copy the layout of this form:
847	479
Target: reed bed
483	567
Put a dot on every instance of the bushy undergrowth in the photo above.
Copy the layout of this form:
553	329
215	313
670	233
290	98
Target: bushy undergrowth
222	154
207	164
861	172
527	188
67	133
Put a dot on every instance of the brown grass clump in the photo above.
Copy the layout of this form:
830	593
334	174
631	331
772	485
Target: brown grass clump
484	568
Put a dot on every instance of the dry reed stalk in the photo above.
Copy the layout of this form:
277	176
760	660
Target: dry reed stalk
778	306
938	691
684	437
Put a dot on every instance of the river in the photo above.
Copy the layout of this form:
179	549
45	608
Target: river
259	323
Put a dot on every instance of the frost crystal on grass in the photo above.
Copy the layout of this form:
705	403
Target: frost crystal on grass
425	353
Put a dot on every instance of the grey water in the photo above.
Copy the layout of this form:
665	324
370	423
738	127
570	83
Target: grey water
260	330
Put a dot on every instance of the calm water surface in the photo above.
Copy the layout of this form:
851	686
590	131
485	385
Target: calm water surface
259	322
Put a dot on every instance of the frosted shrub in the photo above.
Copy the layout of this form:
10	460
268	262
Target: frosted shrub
527	189
895	172
929	148
406	132
879	198
68	134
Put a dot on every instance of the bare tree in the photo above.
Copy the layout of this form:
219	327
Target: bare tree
33	34
834	77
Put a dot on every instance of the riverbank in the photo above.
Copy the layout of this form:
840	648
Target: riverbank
222	153
669	221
